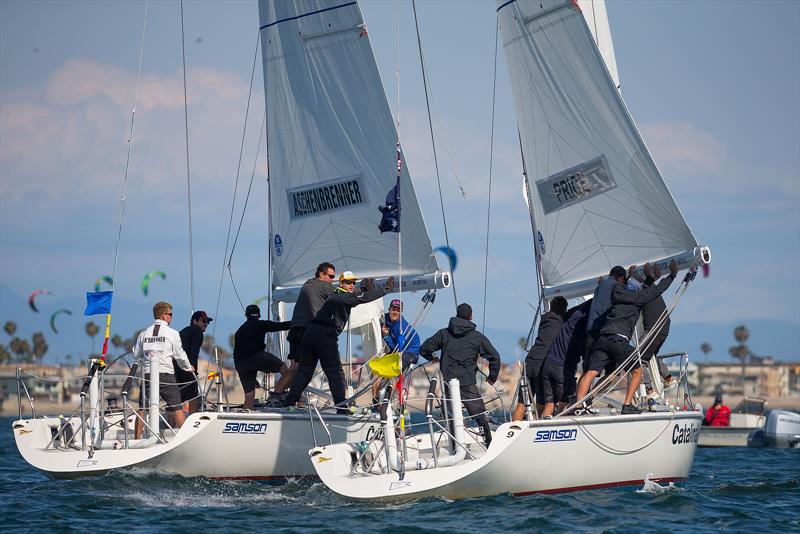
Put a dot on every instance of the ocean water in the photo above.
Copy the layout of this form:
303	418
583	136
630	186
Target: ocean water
735	489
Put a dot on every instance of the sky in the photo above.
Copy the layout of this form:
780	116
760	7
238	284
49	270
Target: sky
714	88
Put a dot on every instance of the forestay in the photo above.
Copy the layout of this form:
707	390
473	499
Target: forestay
332	148
596	196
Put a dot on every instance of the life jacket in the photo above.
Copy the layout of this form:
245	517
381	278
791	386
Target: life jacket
718	416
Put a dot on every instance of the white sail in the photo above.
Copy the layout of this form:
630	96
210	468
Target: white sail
596	196
332	149
594	11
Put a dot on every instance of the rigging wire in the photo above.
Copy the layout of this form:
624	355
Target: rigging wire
433	144
188	175
236	184
124	193
491	163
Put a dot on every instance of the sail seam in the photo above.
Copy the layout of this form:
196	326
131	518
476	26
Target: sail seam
296	17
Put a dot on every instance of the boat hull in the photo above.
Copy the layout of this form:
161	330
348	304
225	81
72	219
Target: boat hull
262	445
558	455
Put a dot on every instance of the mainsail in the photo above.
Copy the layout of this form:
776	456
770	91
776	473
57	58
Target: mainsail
595	194
332	149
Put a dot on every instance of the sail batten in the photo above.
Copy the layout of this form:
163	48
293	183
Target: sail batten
596	196
333	148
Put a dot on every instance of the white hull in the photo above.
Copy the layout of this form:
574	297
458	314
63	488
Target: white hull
263	445
725	436
559	455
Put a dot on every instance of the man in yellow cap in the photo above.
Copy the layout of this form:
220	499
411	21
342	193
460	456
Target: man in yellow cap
320	340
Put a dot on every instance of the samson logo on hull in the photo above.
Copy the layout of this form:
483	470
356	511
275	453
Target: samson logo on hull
562	434
325	197
685	434
244	428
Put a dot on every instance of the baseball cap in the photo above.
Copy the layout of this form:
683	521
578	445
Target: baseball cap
252	311
396	304
347	275
201	315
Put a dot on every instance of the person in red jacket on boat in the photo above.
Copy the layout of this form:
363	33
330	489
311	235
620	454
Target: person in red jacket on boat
718	414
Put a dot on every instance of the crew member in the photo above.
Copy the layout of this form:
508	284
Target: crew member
461	344
558	372
598	313
311	298
612	348
718	414
651	313
250	355
191	341
320	340
549	326
160	344
398	336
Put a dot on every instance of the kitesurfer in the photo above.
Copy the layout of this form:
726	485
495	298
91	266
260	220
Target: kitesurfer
191	341
549	327
311	298
460	345
718	414
161	344
250	355
612	346
320	340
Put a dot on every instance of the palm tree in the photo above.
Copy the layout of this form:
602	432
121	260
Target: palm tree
117	341
39	346
705	348
10	327
5	355
741	351
91	331
22	349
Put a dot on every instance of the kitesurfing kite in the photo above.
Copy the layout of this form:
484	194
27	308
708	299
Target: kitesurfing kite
53	318
99	282
451	255
32	298
149	276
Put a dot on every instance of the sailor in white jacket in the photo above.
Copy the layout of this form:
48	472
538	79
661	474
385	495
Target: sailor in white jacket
161	344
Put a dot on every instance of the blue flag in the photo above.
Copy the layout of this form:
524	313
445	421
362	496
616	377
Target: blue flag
98	302
390	219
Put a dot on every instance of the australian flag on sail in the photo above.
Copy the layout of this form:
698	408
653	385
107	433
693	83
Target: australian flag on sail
390	219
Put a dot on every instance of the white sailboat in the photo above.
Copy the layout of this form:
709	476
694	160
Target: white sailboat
596	200
332	160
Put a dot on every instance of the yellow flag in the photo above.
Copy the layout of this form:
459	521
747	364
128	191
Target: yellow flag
386	366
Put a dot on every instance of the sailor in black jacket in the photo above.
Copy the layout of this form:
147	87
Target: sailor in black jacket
320	340
250	355
612	346
549	327
461	345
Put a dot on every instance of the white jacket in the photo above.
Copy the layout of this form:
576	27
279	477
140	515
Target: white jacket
161	342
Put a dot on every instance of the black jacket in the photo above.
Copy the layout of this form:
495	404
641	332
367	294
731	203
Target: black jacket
549	327
461	345
311	298
249	339
335	312
192	340
651	311
626	305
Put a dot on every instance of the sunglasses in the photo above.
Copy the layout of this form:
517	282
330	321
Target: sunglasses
348	282
331	275
170	314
